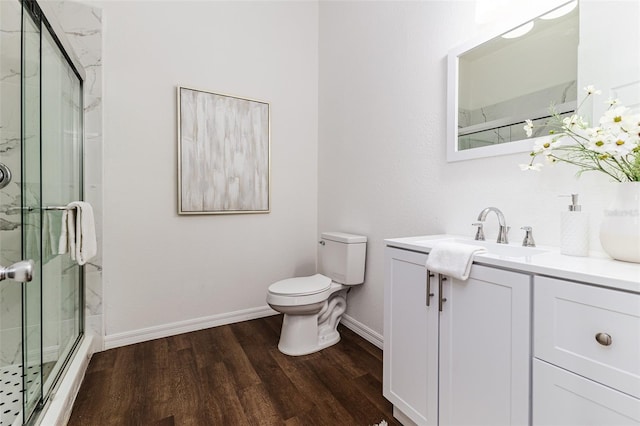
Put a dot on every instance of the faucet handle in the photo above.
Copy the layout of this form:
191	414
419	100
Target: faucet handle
479	232
528	237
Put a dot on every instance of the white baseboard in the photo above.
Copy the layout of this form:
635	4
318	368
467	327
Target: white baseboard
363	331
165	330
172	329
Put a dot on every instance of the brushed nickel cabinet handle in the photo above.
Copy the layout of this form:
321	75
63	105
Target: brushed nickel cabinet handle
429	294
604	339
441	299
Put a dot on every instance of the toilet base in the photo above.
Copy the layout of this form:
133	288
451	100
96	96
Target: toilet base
293	344
306	334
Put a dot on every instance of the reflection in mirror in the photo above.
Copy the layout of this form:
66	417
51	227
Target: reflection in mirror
515	76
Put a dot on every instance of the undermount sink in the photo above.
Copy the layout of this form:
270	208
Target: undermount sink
492	247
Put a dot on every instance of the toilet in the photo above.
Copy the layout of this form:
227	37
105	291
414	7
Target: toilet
313	305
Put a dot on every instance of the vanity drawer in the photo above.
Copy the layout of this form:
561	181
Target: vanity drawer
567	318
563	398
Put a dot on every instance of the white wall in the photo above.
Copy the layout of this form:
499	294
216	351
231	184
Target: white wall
161	269
358	103
382	157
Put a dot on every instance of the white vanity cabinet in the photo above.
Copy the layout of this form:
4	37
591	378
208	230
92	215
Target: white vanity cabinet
586	369
468	363
410	357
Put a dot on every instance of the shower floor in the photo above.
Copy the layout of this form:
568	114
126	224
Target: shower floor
11	389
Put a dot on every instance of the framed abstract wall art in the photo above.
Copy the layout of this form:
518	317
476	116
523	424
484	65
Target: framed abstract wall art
223	154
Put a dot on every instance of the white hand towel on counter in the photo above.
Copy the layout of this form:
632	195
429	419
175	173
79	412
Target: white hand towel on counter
78	233
453	259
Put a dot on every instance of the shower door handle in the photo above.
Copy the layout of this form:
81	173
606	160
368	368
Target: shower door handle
20	271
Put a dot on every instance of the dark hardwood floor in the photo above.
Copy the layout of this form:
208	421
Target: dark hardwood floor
233	375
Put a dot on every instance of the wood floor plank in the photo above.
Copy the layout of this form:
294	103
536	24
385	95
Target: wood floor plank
123	377
285	396
344	361
259	406
233	375
86	412
353	338
209	345
342	387
370	388
224	394
167	421
236	359
302	377
187	387
354	347
325	414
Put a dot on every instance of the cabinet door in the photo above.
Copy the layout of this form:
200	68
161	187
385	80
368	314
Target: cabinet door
485	349
564	398
410	338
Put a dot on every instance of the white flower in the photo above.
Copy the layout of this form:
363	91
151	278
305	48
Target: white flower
611	102
573	123
593	133
615	117
528	127
618	134
611	147
551	160
632	126
545	144
621	145
535	167
599	141
591	90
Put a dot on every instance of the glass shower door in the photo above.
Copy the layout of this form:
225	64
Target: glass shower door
40	173
61	149
19	324
30	183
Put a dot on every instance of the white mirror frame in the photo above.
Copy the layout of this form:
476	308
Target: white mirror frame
453	153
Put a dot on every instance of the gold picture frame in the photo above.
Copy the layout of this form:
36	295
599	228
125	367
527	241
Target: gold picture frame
224	154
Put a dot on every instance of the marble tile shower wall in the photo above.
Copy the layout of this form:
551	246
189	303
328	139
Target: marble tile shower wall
83	28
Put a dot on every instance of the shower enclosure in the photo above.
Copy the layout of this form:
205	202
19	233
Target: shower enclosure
41	138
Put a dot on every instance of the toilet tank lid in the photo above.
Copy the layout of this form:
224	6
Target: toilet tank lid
343	237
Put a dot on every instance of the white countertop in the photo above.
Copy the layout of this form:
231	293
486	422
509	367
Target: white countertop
596	269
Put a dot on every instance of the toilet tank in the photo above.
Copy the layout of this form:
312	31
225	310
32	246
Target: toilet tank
342	256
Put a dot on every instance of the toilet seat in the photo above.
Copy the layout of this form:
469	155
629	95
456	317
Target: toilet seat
301	286
301	291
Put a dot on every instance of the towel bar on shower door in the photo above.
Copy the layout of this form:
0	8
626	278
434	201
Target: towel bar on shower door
15	210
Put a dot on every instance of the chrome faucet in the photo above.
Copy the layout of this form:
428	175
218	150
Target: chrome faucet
503	230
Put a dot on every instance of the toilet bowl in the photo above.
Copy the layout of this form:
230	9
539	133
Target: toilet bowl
304	329
313	305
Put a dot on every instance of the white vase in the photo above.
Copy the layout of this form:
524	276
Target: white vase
620	228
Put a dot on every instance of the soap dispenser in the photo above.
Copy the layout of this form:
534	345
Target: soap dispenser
574	230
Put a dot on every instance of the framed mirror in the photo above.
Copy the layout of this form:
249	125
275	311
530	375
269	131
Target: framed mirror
502	79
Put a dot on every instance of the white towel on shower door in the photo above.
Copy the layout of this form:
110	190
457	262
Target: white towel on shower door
50	234
78	233
67	232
